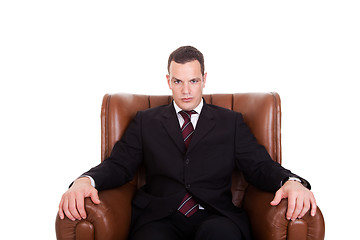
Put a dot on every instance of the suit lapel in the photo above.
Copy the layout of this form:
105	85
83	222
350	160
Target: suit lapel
204	125
171	124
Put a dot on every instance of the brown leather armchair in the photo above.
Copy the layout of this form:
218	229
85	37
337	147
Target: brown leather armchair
262	113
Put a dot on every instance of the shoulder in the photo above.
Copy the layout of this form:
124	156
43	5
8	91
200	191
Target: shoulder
156	111
222	112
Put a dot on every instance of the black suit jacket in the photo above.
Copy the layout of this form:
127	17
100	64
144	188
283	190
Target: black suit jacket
221	142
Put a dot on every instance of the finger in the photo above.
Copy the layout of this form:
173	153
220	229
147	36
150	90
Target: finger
305	209
61	212
291	207
73	209
95	196
66	210
313	205
299	206
80	206
277	198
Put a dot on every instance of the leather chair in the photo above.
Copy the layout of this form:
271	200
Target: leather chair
262	113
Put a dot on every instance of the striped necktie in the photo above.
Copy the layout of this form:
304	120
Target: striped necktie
188	205
187	128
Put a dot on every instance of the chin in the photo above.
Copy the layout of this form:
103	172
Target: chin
187	106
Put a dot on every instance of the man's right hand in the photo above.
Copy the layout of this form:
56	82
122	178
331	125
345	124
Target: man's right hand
72	201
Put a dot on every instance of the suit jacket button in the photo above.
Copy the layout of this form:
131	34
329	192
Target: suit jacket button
187	161
188	186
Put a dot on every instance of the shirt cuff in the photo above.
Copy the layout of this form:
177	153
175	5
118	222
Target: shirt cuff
298	179
92	181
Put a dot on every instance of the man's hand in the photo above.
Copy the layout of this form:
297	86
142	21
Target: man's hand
72	201
300	199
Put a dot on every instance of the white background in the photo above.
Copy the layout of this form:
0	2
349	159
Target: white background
58	59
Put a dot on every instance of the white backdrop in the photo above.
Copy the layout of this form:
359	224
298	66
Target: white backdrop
58	58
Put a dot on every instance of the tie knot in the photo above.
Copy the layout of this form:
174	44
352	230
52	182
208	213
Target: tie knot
187	114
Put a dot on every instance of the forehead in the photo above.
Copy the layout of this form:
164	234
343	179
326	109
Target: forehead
185	70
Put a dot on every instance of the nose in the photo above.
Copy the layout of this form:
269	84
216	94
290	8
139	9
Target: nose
186	88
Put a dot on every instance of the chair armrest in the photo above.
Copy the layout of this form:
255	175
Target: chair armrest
270	223
109	220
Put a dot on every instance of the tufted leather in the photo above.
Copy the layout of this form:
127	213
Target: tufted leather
262	113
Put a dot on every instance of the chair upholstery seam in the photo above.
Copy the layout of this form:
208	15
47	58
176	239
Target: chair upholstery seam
107	126
232	101
275	136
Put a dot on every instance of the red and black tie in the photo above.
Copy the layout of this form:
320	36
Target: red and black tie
187	128
188	205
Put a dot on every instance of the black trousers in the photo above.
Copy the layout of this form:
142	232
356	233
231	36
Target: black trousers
203	225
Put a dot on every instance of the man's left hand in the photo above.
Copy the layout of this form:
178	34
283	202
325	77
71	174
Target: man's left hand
300	200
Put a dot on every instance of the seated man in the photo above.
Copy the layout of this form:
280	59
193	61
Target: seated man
189	149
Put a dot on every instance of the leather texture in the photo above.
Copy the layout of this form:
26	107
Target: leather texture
262	113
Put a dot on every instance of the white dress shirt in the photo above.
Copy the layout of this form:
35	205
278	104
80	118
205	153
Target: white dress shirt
194	117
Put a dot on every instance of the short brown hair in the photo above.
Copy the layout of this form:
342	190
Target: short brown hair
187	54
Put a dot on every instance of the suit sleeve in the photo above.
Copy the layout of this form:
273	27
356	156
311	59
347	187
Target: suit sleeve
124	160
255	162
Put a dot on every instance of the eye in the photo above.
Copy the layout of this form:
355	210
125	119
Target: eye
193	81
176	81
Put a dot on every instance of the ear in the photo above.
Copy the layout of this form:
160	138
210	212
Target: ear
204	79
168	80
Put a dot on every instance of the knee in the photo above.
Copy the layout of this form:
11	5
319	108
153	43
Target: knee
218	228
155	230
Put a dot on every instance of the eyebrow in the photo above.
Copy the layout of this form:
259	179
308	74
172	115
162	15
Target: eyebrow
176	79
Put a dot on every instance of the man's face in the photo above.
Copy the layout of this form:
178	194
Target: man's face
186	83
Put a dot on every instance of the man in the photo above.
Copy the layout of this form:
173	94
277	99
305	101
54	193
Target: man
189	149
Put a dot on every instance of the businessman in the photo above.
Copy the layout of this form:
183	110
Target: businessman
189	149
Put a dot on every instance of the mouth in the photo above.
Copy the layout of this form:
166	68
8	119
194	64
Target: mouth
186	99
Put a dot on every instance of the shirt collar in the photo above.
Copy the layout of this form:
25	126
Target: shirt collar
197	109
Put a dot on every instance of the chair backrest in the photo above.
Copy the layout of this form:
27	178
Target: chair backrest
261	111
